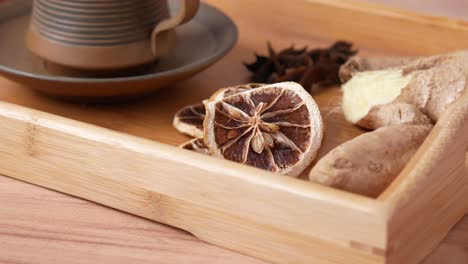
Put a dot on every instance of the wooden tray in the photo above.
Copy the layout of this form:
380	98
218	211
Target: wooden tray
276	218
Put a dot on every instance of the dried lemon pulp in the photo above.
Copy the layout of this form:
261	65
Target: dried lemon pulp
274	127
189	120
197	144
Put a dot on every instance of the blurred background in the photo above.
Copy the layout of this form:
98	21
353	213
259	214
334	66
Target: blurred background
451	8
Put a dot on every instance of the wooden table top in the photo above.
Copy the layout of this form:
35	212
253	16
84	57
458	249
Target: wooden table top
38	225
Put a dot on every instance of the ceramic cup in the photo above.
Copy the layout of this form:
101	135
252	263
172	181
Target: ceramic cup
104	34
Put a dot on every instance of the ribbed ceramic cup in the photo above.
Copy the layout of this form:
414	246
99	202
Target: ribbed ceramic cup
104	34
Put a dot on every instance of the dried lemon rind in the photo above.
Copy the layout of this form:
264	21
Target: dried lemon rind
189	120
228	91
197	144
196	112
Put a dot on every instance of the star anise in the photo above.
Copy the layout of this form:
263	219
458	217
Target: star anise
307	67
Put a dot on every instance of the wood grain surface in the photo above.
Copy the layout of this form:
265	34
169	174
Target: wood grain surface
450	8
42	226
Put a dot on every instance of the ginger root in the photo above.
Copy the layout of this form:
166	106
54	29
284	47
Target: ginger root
394	114
360	64
399	97
429	84
368	163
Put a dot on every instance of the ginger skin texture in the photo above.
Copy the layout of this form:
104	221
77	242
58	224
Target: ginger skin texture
360	64
399	99
404	94
367	164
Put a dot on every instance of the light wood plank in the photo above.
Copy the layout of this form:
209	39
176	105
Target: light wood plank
42	226
197	193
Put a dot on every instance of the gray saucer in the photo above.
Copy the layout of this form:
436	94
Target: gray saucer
201	42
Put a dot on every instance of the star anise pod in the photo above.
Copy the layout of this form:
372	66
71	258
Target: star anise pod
307	67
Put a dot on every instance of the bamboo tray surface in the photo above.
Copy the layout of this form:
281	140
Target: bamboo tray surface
337	226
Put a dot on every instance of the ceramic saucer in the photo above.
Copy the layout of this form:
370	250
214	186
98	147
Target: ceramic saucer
201	42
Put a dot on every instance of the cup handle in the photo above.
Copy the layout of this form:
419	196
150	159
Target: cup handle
160	37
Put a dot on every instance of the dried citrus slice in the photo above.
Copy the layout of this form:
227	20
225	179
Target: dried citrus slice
189	120
197	145
228	91
276	127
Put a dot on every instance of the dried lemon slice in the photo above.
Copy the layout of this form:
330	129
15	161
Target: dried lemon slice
228	91
197	145
276	127
189	120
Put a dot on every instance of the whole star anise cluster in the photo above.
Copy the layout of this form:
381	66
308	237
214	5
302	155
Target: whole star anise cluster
305	66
